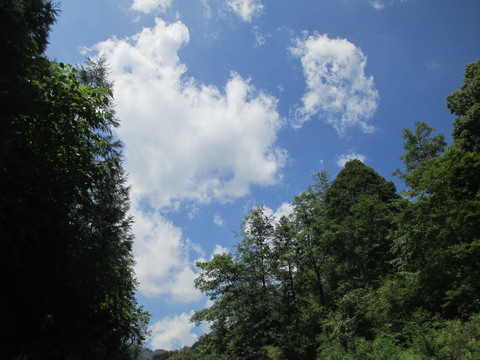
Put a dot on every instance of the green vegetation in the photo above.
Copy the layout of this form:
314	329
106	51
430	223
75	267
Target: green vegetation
359	271
66	257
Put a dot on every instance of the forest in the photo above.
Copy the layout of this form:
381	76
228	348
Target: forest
67	264
359	270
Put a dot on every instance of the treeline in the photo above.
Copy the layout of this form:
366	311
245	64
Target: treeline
67	265
359	271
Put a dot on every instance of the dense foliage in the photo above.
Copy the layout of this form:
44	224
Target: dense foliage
66	257
359	271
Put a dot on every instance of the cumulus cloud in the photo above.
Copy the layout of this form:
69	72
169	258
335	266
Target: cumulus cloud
344	158
283	210
148	6
246	9
219	250
338	90
162	256
173	332
187	141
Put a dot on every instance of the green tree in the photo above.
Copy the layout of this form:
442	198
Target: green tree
465	103
310	219
360	204
24	29
439	238
67	260
421	150
314	263
241	286
357	271
284	265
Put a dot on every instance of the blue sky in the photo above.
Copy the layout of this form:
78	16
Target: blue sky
228	104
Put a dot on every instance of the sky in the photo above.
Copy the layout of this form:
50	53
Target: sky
229	104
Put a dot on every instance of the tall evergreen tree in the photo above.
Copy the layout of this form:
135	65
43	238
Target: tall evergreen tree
359	204
440	235
66	261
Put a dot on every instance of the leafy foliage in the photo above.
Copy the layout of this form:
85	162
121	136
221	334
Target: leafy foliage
67	259
358	271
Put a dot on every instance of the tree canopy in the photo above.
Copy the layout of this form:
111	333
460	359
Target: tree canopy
358	271
67	259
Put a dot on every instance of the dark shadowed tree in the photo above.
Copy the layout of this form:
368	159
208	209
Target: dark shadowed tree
359	206
66	262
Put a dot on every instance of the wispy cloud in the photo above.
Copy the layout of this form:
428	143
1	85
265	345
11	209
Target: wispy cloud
148	6
380	4
433	65
246	9
217	220
207	11
338	91
260	39
344	158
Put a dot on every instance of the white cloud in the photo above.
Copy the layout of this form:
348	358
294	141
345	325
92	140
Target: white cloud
162	258
259	39
219	250
207	10
433	65
184	142
283	210
344	158
217	219
380	4
173	332
148	6
187	141
274	218
338	90
246	9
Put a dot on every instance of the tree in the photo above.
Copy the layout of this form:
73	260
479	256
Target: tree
359	208
285	268
242	290
67	260
24	29
421	150
465	103
360	204
439	240
310	224
357	271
